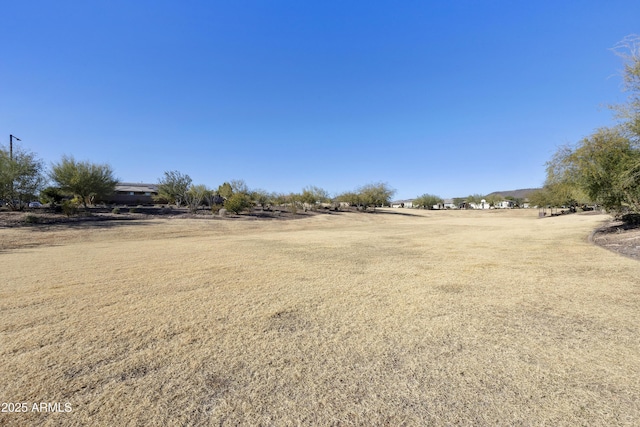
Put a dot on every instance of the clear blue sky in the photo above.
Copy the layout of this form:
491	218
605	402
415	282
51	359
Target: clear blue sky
448	97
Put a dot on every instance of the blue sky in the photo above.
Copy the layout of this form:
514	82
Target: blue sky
449	98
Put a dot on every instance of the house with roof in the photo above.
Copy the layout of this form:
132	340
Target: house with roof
127	193
402	203
505	204
445	204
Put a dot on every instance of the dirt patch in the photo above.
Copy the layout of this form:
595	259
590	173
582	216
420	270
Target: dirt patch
618	237
42	217
39	217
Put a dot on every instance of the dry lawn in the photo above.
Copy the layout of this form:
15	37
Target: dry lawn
434	318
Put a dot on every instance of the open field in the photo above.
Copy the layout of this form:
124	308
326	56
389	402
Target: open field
433	318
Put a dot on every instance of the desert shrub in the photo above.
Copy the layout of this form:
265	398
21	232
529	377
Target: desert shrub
237	203
31	219
70	207
215	208
115	211
133	210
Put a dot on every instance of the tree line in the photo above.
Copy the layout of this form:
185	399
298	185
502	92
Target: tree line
604	167
235	196
24	178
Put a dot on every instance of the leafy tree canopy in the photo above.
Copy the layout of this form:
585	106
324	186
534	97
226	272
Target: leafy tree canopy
377	194
51	195
21	177
427	201
600	166
88	181
225	190
605	167
312	195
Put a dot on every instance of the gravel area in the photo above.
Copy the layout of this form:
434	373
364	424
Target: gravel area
618	237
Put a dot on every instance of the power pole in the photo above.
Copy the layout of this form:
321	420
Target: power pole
11	166
11	138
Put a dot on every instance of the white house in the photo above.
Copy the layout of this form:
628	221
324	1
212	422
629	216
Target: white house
402	204
505	204
482	205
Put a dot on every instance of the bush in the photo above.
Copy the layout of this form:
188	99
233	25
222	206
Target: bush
237	203
215	208
133	210
69	207
115	211
31	219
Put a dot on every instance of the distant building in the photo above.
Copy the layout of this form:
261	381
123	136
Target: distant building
402	204
128	193
482	205
449	204
505	204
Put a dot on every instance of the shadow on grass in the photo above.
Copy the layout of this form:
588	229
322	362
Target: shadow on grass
89	222
97	222
395	212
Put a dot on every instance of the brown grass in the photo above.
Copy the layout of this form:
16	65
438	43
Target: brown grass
439	318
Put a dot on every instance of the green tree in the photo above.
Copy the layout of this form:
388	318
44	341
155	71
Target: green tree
312	195
52	195
427	201
21	177
294	201
601	166
494	199
88	181
350	197
605	167
280	199
237	195
629	50
225	191
540	198
173	188
262	198
376	194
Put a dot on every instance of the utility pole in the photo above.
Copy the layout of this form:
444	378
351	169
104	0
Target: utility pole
11	166
11	138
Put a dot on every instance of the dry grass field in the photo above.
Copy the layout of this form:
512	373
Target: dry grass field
432	318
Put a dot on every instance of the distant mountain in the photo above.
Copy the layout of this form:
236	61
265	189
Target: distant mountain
518	194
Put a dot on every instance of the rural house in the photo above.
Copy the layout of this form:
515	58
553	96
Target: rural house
127	193
402	203
505	204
